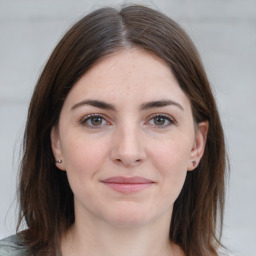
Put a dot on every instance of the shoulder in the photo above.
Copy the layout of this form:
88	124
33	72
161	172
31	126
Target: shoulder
11	246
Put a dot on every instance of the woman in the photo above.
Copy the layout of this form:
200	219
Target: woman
123	150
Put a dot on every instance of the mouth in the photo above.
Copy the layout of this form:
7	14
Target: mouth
127	185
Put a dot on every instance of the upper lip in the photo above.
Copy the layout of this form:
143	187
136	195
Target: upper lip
127	180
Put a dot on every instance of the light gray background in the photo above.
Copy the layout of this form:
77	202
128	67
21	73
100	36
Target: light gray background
225	34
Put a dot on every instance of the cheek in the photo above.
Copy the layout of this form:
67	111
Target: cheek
82	156
171	160
83	160
173	154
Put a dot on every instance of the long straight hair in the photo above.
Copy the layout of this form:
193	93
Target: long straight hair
46	200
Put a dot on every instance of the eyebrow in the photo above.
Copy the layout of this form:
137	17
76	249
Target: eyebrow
95	103
159	104
143	107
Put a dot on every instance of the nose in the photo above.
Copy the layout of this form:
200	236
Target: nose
127	147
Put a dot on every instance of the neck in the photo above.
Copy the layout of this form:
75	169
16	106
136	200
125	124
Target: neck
97	238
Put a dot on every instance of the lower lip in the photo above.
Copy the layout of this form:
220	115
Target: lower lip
128	188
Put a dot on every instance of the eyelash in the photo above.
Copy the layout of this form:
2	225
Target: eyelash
84	121
165	117
87	118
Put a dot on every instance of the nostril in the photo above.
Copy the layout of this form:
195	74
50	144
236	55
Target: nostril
127	162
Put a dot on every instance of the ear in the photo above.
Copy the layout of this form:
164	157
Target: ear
56	149
197	150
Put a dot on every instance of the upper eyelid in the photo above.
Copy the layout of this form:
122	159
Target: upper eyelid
107	119
162	115
83	121
170	122
86	118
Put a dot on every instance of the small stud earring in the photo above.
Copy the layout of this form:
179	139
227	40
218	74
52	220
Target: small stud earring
194	163
58	161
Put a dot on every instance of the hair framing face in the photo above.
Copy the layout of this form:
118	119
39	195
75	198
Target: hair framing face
46	200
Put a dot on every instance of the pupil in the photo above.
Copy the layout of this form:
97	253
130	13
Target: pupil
96	121
159	120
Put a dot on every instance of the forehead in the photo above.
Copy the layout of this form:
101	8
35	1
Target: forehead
132	75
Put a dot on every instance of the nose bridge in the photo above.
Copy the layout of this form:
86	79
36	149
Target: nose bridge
128	146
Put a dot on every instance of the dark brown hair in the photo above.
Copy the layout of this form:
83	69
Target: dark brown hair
46	200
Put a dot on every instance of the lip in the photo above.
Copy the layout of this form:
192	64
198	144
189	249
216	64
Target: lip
127	185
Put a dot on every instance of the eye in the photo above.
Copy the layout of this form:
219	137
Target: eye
94	121
161	120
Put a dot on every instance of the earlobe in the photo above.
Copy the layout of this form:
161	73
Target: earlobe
199	145
56	148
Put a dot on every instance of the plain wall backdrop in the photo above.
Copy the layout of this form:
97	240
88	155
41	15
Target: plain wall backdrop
224	32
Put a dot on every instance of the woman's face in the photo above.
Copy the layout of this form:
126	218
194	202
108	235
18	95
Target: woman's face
126	138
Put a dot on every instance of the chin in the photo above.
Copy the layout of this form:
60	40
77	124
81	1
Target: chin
127	216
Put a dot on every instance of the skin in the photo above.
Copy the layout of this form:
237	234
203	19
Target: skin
126	141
